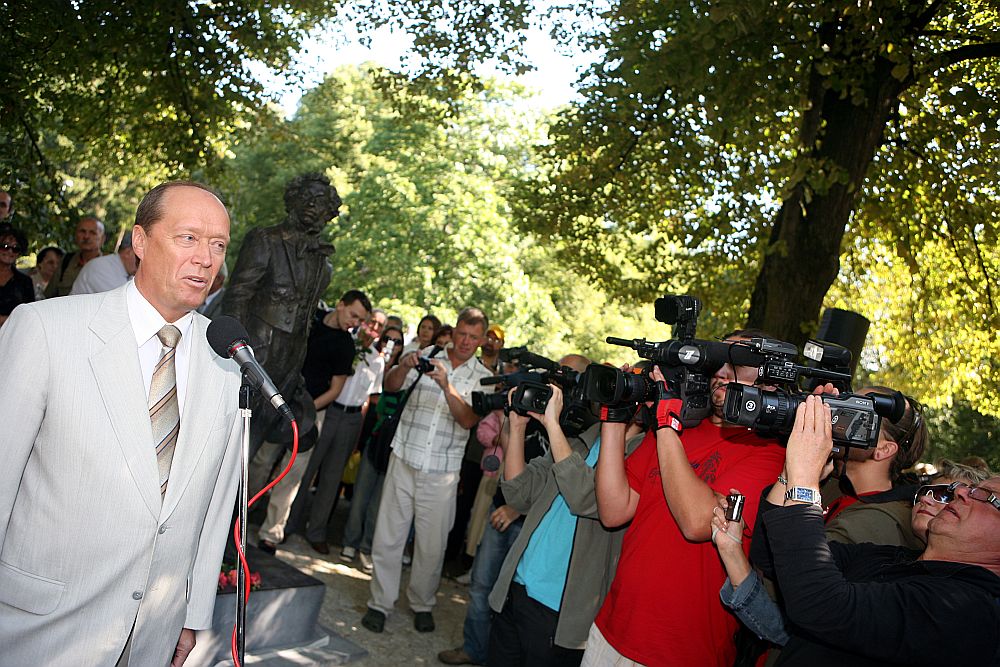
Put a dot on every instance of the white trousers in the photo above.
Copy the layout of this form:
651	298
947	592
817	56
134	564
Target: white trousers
600	653
427	499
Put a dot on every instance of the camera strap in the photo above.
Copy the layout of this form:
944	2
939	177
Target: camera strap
420	374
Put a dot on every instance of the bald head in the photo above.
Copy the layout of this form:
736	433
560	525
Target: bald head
577	362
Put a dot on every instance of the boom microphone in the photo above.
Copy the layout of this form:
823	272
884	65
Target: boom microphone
230	340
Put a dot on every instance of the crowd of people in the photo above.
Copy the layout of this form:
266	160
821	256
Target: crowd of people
609	543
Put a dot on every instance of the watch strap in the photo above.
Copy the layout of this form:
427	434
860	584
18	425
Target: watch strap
804	494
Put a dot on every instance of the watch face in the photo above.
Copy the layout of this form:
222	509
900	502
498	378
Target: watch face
803	494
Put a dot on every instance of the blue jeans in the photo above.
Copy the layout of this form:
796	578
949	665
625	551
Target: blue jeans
364	507
485	569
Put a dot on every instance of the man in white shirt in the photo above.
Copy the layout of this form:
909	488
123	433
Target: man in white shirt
107	271
121	452
423	473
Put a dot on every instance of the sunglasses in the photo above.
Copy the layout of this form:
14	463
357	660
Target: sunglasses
939	493
13	248
945	493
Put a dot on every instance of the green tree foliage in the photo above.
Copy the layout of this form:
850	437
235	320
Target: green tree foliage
761	143
132	89
959	430
426	224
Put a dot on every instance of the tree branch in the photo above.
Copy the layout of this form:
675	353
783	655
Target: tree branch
969	52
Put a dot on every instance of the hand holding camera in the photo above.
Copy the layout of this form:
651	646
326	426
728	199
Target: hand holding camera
728	525
668	405
809	444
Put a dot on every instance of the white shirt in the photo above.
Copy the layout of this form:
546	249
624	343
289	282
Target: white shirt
428	438
367	379
146	322
100	275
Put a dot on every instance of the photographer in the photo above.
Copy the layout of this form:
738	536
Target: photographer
422	478
866	604
663	607
874	505
559	568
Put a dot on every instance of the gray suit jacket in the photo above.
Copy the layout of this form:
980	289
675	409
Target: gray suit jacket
87	550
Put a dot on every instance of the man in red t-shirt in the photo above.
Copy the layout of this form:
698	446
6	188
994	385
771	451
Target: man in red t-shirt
663	607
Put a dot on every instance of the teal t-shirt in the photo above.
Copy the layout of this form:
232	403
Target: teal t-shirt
545	562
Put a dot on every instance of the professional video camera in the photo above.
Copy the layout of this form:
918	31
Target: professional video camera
856	418
687	364
532	392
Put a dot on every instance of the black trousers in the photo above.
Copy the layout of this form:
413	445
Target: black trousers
524	632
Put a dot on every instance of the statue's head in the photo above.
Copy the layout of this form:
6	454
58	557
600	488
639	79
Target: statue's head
311	202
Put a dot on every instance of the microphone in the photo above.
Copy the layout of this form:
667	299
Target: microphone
230	339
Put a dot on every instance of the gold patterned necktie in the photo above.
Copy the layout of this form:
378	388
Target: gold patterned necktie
164	414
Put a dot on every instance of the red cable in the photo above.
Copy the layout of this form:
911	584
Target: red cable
236	531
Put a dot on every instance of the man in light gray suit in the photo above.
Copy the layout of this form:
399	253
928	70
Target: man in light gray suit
120	454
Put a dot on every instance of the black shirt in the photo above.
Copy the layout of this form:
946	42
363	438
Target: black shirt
19	289
866	604
329	352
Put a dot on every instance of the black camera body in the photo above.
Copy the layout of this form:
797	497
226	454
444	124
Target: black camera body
855	418
537	372
530	397
687	364
424	365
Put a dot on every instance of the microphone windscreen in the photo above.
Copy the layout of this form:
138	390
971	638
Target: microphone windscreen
222	332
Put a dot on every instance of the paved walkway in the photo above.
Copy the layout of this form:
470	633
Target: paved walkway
344	605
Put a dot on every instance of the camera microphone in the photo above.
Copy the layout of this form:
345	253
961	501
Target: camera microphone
230	340
491	463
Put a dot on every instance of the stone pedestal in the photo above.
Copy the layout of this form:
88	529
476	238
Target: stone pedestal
282	622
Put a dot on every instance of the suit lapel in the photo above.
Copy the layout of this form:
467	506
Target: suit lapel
119	381
206	389
295	266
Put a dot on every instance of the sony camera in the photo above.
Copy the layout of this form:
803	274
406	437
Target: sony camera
856	418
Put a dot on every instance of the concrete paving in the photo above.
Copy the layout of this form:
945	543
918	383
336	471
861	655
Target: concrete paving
347	591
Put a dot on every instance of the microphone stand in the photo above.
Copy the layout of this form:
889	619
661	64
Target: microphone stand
246	390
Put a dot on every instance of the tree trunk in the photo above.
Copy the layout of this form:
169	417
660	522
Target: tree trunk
802	258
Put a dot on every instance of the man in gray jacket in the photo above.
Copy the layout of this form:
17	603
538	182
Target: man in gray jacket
556	575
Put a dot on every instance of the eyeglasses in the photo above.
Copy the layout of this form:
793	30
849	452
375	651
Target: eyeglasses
981	494
945	493
13	248
939	493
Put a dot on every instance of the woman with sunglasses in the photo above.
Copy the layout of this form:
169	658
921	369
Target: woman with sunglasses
931	498
15	287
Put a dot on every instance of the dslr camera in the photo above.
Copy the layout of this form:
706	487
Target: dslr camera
856	418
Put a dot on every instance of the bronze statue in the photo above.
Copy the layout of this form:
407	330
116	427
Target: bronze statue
279	279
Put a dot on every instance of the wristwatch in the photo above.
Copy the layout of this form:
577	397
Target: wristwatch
804	494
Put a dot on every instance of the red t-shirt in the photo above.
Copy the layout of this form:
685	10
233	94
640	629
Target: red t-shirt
663	607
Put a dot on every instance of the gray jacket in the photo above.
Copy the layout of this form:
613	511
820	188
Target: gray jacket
595	552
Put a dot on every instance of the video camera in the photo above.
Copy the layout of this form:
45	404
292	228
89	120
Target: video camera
687	364
856	418
533	392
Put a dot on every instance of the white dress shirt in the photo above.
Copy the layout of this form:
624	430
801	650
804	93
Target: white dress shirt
146	322
100	275
367	380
